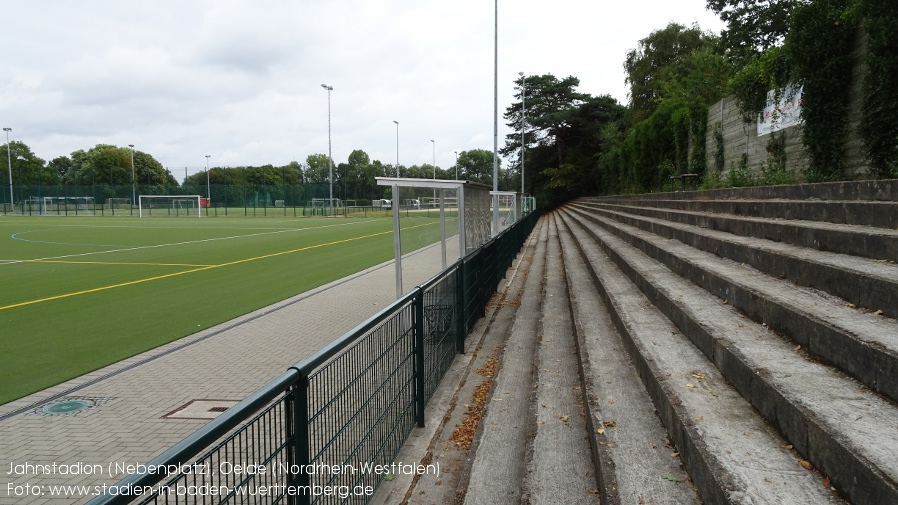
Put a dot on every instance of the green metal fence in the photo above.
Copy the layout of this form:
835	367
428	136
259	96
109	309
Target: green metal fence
327	429
236	199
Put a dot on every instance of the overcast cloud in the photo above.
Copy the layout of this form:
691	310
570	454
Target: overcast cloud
241	80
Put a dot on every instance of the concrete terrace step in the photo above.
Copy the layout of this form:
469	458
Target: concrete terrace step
731	454
808	402
503	444
860	281
865	241
864	345
631	447
560	468
532	445
866	213
879	191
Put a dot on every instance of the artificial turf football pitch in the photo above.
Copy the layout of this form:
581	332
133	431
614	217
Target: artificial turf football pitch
79	293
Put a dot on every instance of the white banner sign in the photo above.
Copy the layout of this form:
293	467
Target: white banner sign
780	114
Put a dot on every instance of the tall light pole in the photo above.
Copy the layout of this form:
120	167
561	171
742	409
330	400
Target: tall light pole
208	192
523	125
456	165
397	152
9	161
496	122
133	192
434	144
330	160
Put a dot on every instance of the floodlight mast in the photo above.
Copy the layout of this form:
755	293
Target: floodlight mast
208	187
133	192
330	160
496	121
523	124
397	151
9	162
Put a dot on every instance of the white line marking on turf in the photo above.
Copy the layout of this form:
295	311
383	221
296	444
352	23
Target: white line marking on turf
137	248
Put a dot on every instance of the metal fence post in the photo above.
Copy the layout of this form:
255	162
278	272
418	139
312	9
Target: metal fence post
419	357
301	434
460	332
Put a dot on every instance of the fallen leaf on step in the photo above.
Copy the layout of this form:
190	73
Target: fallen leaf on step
826	482
563	418
877	313
699	418
851	305
609	424
698	375
674	455
690	385
797	347
671	478
593	491
806	464
787	447
600	431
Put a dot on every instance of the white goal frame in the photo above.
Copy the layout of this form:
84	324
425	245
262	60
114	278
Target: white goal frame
173	198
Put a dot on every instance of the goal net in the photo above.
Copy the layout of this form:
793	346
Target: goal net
169	206
118	203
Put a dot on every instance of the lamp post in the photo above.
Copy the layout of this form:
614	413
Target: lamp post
9	161
523	125
496	121
456	165
208	192
434	144
330	161
133	191
398	174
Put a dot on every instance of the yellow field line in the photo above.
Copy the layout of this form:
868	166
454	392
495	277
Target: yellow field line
116	263
158	277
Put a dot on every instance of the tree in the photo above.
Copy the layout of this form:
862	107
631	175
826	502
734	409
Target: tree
563	137
753	26
60	166
317	169
27	169
551	105
476	165
660	57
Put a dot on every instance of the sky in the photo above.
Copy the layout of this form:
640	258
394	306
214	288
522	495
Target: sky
240	80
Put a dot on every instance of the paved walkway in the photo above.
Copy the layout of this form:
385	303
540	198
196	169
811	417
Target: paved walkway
134	412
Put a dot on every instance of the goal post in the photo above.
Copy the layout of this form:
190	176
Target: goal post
118	203
169	206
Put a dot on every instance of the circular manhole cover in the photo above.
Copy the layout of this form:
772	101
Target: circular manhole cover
68	407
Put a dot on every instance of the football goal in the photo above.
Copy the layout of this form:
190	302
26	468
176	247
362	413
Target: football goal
59	204
169	206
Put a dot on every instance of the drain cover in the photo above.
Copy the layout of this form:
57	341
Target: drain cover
68	407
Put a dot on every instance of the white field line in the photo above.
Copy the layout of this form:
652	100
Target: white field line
137	248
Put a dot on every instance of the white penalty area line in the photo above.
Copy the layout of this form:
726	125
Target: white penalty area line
137	248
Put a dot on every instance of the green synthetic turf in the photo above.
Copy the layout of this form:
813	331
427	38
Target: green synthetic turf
77	294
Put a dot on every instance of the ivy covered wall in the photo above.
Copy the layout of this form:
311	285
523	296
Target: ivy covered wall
732	144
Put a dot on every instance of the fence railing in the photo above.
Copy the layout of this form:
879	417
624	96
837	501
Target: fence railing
328	429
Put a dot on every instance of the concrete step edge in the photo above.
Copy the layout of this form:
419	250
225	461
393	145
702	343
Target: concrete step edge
855	464
855	240
503	441
623	411
730	452
875	214
863	345
878	190
561	467
862	282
